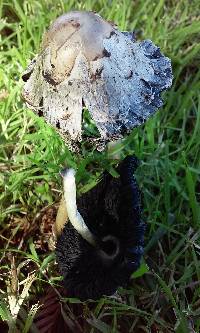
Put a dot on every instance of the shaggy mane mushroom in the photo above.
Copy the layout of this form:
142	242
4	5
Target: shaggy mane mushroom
97	256
86	61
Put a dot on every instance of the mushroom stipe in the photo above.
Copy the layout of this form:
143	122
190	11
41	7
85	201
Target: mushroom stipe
112	213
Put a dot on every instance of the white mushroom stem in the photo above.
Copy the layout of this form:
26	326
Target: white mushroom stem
70	200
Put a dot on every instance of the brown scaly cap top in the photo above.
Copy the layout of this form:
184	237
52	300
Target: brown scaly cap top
72	33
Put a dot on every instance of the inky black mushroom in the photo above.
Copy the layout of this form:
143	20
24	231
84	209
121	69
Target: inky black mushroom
107	248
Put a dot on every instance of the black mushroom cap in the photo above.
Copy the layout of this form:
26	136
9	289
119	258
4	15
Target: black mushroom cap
112	212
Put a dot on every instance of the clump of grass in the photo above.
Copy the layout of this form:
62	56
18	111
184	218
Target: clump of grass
164	297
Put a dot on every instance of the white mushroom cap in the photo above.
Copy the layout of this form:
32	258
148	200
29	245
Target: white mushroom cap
86	61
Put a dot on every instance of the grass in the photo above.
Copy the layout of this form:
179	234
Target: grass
164	295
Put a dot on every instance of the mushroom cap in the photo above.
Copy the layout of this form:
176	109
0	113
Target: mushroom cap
86	62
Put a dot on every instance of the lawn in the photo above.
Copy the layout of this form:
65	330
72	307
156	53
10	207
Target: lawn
164	295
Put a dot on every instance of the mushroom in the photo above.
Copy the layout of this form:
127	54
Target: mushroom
102	243
86	62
